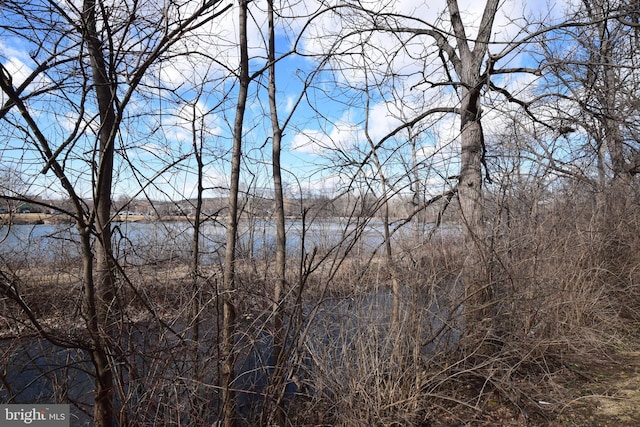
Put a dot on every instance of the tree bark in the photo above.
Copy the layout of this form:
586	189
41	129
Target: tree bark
100	301
274	410
227	355
478	297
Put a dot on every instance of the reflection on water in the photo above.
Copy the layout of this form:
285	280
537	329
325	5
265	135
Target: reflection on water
335	328
157	242
339	333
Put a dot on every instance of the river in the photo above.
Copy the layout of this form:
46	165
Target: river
37	371
156	242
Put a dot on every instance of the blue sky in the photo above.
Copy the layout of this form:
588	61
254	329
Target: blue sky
327	130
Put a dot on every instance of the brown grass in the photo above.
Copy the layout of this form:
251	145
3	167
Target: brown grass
565	288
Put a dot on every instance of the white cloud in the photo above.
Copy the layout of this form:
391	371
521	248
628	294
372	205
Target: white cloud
215	178
308	141
327	185
181	121
20	66
288	108
383	118
18	70
343	136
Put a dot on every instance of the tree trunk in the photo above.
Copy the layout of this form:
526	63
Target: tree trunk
101	299
477	291
195	312
274	410
227	355
478	295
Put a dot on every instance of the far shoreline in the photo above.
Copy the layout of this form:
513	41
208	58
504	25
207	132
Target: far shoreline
46	218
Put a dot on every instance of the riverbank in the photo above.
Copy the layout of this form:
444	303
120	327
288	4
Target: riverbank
599	388
45	218
32	218
596	387
565	349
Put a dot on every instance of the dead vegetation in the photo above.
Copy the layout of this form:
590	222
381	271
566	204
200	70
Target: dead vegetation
562	340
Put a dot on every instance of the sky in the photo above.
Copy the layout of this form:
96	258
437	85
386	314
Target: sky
328	133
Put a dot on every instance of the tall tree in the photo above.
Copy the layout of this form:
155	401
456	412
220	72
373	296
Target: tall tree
121	48
100	288
274	410
455	65
593	74
467	63
227	353
469	59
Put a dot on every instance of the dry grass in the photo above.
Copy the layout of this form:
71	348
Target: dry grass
27	218
565	286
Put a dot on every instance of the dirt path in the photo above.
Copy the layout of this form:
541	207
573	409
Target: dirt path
603	394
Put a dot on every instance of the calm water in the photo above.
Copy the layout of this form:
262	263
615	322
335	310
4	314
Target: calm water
38	371
138	242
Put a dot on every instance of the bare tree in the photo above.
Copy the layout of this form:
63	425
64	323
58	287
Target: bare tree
593	75
229	285
468	58
100	36
367	318
276	413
